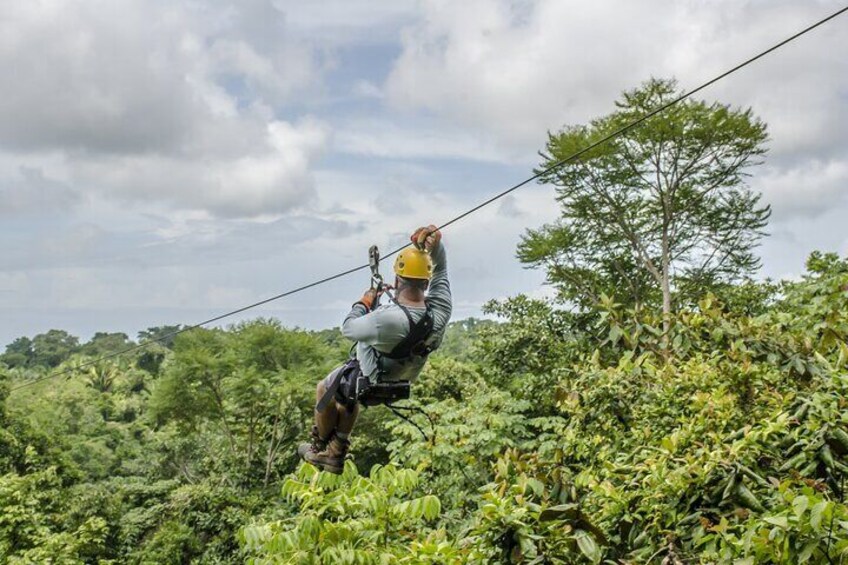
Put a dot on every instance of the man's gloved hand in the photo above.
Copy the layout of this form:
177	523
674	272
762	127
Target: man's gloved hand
369	298
426	238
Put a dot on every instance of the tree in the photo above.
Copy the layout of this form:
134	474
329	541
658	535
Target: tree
18	353
353	519
52	348
662	208
240	393
162	334
101	376
460	336
153	355
104	343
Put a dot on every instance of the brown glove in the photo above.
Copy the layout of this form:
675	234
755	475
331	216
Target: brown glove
426	238
368	298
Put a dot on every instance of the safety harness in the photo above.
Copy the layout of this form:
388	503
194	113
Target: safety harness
349	386
415	342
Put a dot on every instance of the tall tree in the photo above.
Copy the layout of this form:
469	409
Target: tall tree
18	353
661	209
246	387
162	334
153	355
104	343
52	348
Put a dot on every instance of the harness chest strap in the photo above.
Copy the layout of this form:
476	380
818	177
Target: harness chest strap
414	341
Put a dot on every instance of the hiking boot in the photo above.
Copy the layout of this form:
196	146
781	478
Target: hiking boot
314	445
332	458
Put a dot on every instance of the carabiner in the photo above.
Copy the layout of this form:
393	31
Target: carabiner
376	278
374	263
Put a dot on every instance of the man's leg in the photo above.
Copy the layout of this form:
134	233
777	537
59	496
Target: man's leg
346	420
332	458
325	422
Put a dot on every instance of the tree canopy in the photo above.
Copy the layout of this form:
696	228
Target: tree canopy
661	211
548	437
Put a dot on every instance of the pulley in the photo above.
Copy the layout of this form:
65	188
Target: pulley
376	277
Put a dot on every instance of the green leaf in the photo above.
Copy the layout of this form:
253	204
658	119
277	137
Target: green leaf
807	552
560	512
816	515
614	334
432	507
536	486
800	504
779	521
588	546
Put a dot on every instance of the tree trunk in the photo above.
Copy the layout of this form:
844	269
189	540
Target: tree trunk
272	451
666	293
273	444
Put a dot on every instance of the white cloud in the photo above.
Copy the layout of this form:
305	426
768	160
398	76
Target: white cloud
30	191
273	178
349	21
90	76
12	284
78	241
509	207
222	297
273	64
131	74
391	139
516	69
805	189
367	89
513	69
171	101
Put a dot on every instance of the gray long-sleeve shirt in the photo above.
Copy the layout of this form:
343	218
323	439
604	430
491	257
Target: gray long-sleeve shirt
385	327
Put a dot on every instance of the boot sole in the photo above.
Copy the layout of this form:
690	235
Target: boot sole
330	468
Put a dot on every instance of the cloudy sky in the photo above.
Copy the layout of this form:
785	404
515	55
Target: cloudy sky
163	161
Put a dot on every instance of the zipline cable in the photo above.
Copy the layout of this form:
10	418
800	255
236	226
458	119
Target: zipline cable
452	221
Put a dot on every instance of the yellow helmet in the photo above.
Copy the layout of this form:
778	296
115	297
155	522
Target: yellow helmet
413	263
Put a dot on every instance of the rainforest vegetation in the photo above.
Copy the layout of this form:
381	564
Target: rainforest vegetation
665	407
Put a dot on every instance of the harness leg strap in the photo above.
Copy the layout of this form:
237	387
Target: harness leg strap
335	380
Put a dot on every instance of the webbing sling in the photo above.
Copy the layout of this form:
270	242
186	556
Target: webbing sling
335	381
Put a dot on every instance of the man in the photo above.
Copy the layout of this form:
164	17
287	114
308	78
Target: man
422	297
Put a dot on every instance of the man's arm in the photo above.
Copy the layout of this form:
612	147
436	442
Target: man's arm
360	326
439	296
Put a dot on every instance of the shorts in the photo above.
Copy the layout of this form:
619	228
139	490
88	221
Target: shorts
328	380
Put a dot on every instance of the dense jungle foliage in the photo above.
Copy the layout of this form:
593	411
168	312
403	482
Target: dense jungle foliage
554	438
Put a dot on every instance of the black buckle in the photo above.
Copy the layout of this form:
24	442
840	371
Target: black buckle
420	349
